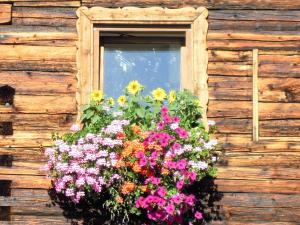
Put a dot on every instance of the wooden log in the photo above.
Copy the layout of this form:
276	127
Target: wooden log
38	220
279	70
39	83
42	53
275	90
242	25
34	65
229	69
231	109
27	122
273	128
250	44
214	4
263	159
284	57
32	3
229	56
233	126
55	22
261	200
39	38
255	15
4	29
5	13
230	88
45	104
23	154
27	181
273	111
44	12
259	186
253	173
257	214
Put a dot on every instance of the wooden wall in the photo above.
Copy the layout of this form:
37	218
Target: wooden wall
260	181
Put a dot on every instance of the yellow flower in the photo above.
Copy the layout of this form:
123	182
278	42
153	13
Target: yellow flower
122	100
159	94
97	96
172	96
198	103
111	101
134	87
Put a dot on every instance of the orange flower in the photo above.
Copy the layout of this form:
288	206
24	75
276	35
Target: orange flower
144	188
165	171
153	146
120	163
119	199
136	168
127	187
136	129
126	152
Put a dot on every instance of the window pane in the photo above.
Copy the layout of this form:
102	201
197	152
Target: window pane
152	65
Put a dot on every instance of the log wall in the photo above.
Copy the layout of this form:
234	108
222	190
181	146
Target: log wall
260	180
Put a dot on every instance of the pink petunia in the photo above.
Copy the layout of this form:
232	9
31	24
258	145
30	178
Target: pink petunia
198	215
179	184
170	209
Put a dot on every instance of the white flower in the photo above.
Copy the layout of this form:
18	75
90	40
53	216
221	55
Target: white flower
174	126
211	123
75	127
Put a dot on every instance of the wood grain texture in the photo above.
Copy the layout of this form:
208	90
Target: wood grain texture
214	4
5	13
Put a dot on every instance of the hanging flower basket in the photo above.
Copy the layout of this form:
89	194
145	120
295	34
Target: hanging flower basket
140	158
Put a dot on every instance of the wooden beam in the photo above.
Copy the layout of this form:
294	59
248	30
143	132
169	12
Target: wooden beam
5	13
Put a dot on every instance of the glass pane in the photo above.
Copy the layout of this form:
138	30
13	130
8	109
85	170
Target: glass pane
152	65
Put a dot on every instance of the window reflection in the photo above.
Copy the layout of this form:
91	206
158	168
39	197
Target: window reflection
152	65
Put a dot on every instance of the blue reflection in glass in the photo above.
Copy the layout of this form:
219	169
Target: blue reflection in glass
153	65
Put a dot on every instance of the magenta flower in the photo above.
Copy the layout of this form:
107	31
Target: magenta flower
181	164
179	184
198	215
160	125
143	162
167	119
164	110
170	209
176	119
161	191
176	146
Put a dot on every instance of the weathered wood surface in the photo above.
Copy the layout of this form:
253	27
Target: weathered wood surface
5	13
214	4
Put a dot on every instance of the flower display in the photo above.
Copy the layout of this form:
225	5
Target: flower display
145	154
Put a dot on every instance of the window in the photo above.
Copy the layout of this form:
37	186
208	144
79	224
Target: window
157	46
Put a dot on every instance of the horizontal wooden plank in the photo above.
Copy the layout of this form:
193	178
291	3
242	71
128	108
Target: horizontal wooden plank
290	160
259	186
5	13
32	122
43	53
261	200
231	109
273	128
54	22
279	110
279	70
251	44
230	88
233	126
37	65
257	25
64	3
213	4
229	69
279	89
255	172
279	57
229	56
45	104
23	154
39	83
44	12
255	15
37	29
257	214
39	38
27	181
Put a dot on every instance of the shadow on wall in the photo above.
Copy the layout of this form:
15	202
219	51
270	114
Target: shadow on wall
91	212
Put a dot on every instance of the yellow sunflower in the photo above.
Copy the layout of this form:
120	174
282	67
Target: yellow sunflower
97	96
172	96
122	100
134	87
111	101
159	94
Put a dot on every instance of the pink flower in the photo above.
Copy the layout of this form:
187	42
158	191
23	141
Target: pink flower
179	184
170	209
176	146
190	200
164	142
176	119
193	176
160	125
198	215
181	164
164	110
161	191
167	119
143	162
75	127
